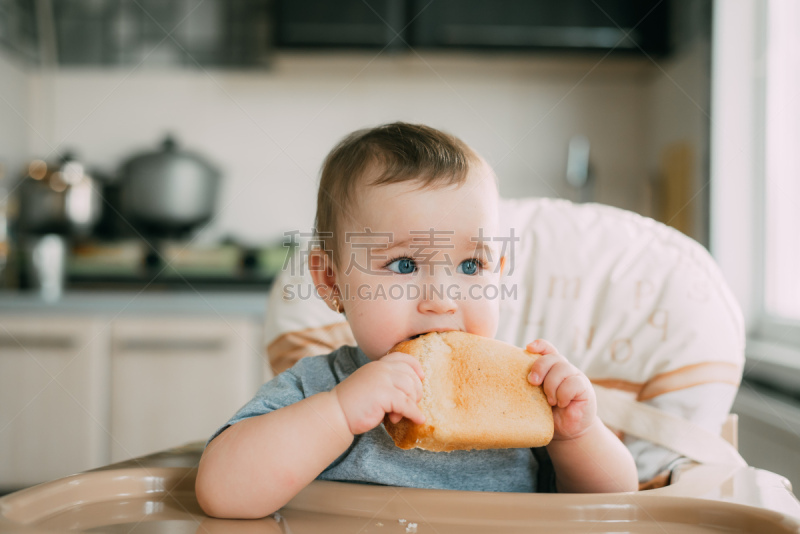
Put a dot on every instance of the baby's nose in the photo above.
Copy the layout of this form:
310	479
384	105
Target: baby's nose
438	298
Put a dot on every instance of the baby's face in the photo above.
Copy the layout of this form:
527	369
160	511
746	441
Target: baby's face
422	267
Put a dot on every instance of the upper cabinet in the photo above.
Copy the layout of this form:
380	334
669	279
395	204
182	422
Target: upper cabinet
343	24
243	33
18	29
192	33
177	32
638	26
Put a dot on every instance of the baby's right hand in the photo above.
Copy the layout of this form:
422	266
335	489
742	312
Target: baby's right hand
391	385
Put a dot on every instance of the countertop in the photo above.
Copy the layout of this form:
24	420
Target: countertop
130	303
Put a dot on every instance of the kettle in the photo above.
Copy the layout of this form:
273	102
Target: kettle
168	192
58	199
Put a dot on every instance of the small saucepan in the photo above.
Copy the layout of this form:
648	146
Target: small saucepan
59	199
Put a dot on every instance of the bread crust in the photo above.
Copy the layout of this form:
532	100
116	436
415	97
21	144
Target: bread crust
476	395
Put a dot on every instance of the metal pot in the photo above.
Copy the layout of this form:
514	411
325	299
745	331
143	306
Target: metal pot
59	199
168	192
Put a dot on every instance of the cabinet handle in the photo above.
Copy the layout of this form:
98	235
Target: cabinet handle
172	345
29	341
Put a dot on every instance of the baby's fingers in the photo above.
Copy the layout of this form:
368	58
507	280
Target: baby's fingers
395	417
408	359
555	377
541	346
407	381
542	366
572	388
406	407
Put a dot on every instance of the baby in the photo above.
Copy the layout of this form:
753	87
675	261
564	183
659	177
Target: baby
406	216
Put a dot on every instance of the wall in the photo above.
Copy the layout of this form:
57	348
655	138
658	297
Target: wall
679	116
269	131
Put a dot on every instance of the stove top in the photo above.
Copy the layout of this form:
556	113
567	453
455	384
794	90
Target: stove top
137	265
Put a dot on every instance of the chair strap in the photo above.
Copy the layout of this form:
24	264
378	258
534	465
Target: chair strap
625	414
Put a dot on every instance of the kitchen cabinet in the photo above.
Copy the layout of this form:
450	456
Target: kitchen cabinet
635	26
176	380
102	376
54	417
210	33
18	29
346	23
619	25
242	33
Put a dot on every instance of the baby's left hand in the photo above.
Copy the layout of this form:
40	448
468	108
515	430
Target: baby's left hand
568	391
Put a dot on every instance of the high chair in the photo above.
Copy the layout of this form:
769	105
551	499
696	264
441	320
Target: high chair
639	307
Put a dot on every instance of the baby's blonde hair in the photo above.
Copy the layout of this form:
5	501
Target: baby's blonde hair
400	152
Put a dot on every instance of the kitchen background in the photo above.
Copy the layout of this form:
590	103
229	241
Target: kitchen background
260	92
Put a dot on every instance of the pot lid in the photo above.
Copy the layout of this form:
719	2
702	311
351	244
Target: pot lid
166	158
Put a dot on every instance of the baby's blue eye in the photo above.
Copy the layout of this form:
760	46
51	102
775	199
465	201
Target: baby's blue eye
470	266
405	265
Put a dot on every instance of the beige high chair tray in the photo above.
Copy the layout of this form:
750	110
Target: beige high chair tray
155	494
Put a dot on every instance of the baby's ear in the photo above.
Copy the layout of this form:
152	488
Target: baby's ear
321	270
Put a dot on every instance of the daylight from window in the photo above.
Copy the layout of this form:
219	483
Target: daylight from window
782	162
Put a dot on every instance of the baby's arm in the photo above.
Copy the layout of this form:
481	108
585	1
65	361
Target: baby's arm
257	465
587	456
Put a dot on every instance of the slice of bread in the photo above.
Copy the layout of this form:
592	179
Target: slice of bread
476	395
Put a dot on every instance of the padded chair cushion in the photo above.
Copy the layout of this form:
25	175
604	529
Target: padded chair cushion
635	304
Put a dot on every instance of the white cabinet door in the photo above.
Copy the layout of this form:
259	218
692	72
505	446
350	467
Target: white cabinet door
53	397
175	380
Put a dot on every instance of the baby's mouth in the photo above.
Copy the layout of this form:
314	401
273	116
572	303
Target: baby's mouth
424	334
420	335
413	337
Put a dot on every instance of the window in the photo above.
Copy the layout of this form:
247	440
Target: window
779	317
781	268
755	168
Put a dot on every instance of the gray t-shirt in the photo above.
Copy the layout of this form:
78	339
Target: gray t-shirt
374	458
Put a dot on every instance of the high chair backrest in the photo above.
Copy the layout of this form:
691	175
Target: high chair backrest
639	307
